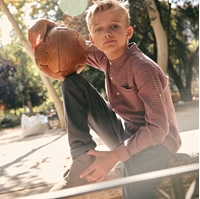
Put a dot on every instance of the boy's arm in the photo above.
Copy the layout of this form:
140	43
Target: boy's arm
95	56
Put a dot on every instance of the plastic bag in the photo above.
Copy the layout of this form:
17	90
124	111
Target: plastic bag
34	125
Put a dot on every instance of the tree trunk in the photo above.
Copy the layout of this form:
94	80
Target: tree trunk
46	81
185	94
185	91
30	107
174	75
189	72
160	34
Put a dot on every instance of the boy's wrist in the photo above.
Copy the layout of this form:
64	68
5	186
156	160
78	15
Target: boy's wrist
116	156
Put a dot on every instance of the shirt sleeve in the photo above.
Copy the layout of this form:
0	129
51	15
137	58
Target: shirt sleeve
95	56
151	83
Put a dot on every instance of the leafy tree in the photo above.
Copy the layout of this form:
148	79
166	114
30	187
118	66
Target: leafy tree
182	49
19	83
23	41
7	94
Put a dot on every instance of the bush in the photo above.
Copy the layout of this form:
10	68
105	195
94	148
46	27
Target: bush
9	121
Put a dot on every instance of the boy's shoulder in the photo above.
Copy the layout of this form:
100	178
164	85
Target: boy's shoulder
137	54
139	59
143	65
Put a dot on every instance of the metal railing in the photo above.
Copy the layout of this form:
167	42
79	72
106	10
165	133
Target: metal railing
173	173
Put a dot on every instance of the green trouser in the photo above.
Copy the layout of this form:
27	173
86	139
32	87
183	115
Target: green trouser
85	109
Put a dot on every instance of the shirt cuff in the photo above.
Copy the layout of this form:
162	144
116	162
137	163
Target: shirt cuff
122	152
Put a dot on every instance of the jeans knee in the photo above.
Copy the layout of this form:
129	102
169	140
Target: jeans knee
72	81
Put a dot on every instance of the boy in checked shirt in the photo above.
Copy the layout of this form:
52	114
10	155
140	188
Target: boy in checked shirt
138	121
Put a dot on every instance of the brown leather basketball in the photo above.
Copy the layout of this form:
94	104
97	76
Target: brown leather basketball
62	53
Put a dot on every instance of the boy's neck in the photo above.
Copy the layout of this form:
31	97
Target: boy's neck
114	56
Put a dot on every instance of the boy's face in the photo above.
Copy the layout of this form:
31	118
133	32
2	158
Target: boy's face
109	33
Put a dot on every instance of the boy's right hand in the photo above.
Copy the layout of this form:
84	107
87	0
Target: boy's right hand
36	33
99	169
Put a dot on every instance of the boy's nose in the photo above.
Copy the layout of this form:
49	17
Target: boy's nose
107	34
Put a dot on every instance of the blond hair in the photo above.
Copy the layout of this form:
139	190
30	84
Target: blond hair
122	6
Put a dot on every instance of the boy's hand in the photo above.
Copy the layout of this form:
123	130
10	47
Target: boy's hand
36	33
105	161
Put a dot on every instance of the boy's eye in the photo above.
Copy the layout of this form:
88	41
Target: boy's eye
114	26
97	30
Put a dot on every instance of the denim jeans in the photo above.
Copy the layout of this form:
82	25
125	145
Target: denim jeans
84	109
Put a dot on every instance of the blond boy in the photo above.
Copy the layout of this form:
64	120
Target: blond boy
137	123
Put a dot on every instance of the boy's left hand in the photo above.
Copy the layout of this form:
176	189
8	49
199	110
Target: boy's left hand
104	162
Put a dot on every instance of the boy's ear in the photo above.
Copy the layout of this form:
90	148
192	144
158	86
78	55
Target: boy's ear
130	32
91	40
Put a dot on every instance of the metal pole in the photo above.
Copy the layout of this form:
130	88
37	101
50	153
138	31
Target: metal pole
136	179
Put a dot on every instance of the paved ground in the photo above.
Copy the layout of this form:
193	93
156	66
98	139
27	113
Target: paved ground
31	165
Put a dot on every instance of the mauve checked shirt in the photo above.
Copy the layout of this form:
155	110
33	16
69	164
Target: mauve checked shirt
138	91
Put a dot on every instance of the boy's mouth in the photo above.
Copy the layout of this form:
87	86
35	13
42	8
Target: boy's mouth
109	42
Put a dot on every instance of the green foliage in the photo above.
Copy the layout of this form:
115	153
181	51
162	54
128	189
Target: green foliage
95	77
23	74
7	94
143	32
9	121
45	9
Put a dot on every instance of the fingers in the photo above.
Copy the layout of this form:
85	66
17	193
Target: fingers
51	24
100	168
39	39
97	177
102	178
93	174
32	39
37	32
88	171
35	38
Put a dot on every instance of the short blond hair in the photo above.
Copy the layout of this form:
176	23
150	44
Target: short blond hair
122	6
